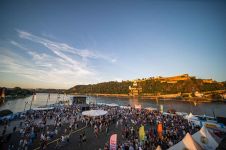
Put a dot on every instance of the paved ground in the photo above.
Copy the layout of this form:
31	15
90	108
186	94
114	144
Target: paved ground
92	142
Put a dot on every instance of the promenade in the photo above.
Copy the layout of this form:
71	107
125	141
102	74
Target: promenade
73	144
66	128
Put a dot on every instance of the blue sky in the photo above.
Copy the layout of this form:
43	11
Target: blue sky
59	44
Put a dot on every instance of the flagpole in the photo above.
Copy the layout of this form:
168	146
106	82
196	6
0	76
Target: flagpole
32	99
48	99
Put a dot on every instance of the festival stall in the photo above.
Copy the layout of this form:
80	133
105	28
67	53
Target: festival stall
187	143
205	139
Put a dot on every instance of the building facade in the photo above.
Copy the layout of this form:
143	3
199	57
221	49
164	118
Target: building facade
135	90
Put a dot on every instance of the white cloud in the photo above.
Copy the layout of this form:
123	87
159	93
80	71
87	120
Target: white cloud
58	66
58	47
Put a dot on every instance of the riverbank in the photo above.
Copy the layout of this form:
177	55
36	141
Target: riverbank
10	97
166	97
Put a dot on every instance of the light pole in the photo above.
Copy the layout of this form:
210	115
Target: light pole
25	105
47	99
33	97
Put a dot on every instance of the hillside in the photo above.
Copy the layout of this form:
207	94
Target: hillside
16	92
150	85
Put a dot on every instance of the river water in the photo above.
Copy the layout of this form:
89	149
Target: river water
219	109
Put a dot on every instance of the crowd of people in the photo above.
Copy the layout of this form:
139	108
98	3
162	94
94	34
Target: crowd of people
41	127
174	128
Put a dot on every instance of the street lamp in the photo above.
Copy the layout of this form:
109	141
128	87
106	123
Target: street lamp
25	105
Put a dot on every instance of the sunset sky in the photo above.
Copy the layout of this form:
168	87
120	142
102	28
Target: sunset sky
59	44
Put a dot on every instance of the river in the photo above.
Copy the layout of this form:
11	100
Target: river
18	105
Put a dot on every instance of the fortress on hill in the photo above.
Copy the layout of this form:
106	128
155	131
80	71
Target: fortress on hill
183	77
135	89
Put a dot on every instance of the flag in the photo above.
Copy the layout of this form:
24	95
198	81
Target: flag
113	142
141	133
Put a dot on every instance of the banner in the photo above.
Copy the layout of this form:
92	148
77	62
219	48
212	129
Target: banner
141	133
161	108
159	129
113	142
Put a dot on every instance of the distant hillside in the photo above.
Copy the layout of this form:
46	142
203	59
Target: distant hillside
50	90
111	87
15	92
151	85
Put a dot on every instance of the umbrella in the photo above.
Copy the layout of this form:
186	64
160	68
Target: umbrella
94	113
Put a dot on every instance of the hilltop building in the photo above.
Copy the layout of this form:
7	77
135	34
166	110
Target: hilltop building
173	79
207	81
183	77
134	90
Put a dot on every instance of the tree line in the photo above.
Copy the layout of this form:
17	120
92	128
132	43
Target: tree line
149	86
17	92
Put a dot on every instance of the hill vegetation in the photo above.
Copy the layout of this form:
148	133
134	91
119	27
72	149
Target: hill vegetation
111	87
149	86
17	92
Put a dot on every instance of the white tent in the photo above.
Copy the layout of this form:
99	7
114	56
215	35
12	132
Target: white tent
112	105
205	139
43	108
193	119
125	107
94	113
182	113
151	108
158	148
191	116
187	143
101	103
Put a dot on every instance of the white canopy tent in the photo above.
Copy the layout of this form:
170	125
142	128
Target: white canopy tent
158	148
101	103
94	113
42	108
182	113
193	119
205	139
187	143
151	108
112	105
191	116
125	107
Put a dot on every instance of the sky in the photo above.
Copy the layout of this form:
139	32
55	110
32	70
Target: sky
59	44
